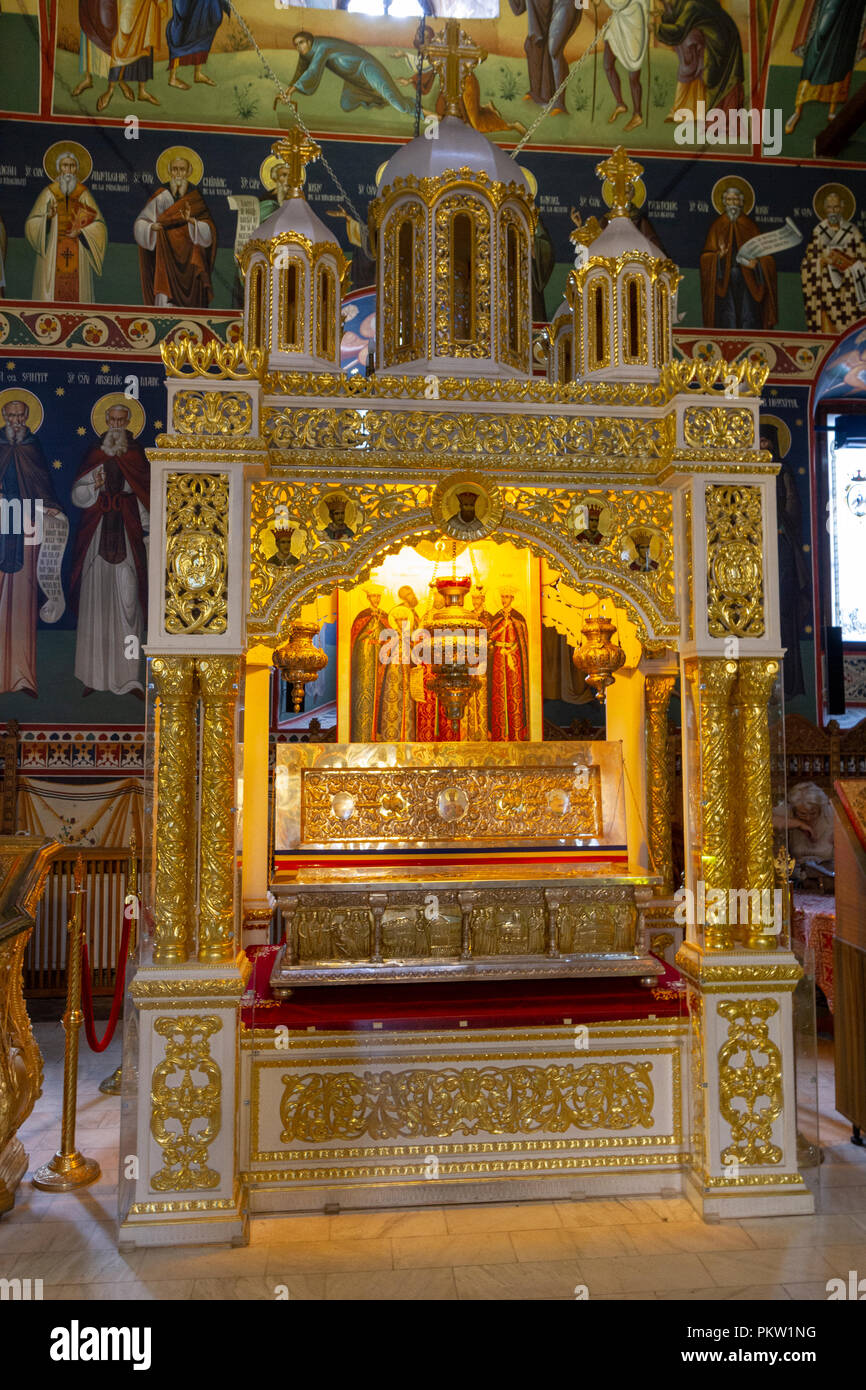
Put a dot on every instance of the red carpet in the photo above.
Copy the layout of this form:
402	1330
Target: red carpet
490	1004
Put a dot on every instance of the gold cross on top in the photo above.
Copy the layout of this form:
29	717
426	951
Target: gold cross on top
452	55
620	172
296	150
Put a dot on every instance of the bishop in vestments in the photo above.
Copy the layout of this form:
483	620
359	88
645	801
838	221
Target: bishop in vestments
67	233
177	243
109	570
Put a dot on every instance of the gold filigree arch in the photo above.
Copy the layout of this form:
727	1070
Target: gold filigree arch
277	595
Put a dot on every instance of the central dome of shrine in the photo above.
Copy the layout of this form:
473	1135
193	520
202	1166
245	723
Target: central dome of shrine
453	223
456	146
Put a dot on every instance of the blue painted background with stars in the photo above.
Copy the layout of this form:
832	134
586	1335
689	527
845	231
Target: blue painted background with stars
68	390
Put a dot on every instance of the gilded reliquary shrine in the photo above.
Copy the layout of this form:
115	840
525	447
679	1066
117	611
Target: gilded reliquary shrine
444	925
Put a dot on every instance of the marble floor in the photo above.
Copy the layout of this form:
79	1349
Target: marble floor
618	1248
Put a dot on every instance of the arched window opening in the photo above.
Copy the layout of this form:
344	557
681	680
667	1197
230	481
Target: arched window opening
290	298
462	279
566	360
405	286
512	289
326	314
632	338
598	326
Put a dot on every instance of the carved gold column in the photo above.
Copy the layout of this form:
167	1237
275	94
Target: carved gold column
658	690
712	681
752	692
218	678
175	829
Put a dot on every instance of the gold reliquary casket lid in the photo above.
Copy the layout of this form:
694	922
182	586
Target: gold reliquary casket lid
352	807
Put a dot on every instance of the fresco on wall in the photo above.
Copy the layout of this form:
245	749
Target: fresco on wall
748	246
73	574
628	66
20	56
816	61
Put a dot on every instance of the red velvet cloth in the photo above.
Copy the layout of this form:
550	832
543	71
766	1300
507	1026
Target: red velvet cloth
487	1004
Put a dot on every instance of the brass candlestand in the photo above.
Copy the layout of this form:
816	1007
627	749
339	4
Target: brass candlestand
68	1168
113	1084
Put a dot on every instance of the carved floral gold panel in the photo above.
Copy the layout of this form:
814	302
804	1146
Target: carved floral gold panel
735	561
196	557
186	1103
632	547
718	427
750	1081
340	805
485	439
614	1096
212	412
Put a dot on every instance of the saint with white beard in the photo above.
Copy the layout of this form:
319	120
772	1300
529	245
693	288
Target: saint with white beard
66	230
109	573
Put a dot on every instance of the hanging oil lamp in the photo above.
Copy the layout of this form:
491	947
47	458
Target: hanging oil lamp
457	639
599	657
299	661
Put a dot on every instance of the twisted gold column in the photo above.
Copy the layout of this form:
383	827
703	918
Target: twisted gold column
218	677
658	690
712	681
752	692
175	830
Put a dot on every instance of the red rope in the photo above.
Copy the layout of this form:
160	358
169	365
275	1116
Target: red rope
87	996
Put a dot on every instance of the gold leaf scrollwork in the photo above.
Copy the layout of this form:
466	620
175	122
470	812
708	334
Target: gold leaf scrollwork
718	427
318	1108
750	1089
196	561
194	1108
735	561
212	412
185	357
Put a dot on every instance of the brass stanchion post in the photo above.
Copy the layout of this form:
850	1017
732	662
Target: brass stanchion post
113	1084
68	1168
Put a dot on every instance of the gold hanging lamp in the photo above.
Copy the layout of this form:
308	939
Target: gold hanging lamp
599	657
455	633
299	661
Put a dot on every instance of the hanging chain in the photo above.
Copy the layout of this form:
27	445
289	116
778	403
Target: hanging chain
560	89
283	92
284	97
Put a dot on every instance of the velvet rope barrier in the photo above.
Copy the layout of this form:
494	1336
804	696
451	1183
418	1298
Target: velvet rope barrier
87	996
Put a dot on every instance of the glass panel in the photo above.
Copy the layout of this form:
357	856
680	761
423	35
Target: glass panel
462	316
512	288
290	305
405	288
326	314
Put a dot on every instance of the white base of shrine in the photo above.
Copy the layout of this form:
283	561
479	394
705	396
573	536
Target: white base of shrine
192	1228
401	1119
792	1198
